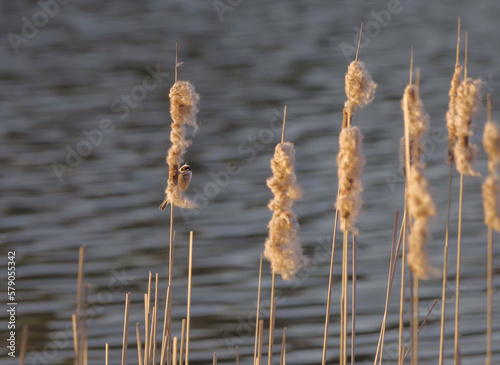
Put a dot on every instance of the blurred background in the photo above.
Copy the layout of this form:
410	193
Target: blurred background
84	132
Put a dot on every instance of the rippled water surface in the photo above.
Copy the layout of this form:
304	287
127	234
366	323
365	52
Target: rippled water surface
259	56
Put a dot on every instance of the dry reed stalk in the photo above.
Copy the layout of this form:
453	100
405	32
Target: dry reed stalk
174	350
452	136
183	336
353	303
183	110
359	88
261	336
407	351
166	323
402	287
283	348
106	354
257	314
415	309
190	275
390	280
214	362
457	280
24	344
237	355
74	322
282	247
155	324
125	329
491	143
271	321
350	162
139	344
468	94
467	101
329	297
489	297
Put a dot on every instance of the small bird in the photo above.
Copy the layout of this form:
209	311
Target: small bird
183	180
184	177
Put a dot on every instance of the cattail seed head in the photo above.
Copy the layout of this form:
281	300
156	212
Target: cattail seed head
282	247
359	88
183	110
491	143
350	162
420	208
452	112
467	101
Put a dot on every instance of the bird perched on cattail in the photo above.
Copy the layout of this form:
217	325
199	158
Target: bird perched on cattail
183	110
183	179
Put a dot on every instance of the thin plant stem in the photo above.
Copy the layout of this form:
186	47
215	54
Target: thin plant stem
457	285
174	350
414	351
24	344
183	336
189	294
445	269
402	290
237	355
489	296
283	348
257	314
353	304
261	335
171	251
139	343
406	352
284	122
125	330
271	321
330	281
345	250
359	41
75	336
390	280
155	324
106	354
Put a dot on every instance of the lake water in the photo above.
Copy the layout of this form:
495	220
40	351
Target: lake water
69	73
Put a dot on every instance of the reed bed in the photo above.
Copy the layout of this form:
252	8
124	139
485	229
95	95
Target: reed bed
155	340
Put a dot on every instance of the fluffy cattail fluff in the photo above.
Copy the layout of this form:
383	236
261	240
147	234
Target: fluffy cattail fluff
282	247
183	110
418	121
466	105
359	88
420	208
350	162
491	143
419	200
451	113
